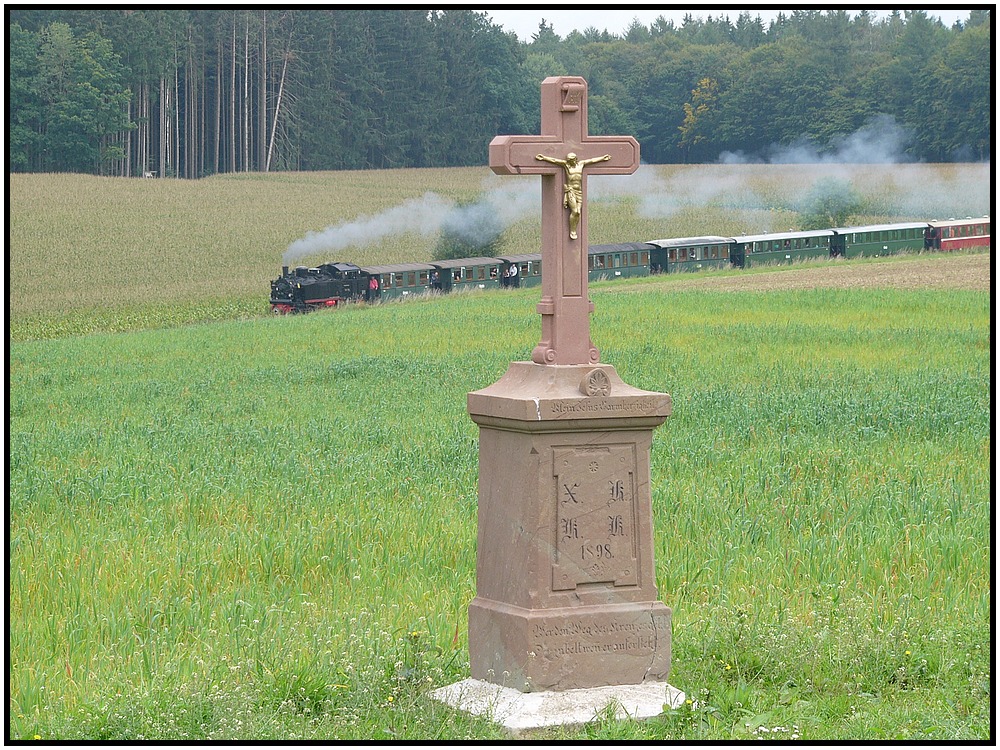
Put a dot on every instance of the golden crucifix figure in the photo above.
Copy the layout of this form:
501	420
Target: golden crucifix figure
573	189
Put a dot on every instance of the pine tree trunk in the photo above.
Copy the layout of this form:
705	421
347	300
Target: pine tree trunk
262	95
277	106
246	96
232	105
218	105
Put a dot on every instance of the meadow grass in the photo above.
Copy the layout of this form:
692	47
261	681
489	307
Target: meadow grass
265	529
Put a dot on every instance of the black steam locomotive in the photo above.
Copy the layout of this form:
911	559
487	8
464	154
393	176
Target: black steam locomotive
327	285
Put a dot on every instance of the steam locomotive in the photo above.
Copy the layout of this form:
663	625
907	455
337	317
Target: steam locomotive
303	289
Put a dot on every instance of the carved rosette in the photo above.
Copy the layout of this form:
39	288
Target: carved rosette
596	383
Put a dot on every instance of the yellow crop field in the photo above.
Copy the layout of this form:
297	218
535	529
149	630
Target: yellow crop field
81	243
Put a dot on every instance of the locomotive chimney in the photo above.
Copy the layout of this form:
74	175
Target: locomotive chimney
284	270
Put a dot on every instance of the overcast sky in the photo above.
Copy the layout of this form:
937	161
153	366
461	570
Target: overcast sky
524	23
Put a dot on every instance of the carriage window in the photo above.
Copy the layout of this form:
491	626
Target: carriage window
411	279
725	251
673	253
633	259
480	274
590	262
423	277
644	257
493	272
618	260
682	254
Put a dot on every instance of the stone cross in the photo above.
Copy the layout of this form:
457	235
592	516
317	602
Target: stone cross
566	595
564	154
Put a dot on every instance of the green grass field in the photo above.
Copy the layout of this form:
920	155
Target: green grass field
229	526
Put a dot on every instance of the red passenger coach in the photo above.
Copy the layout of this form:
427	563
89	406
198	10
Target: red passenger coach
957	233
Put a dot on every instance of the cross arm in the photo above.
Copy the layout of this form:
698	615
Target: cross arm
515	154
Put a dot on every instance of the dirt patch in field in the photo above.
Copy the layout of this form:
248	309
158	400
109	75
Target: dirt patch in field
938	272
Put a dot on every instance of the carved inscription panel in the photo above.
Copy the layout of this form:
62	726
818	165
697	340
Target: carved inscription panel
595	516
595	635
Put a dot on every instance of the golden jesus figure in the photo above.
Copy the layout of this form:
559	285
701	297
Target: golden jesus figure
573	189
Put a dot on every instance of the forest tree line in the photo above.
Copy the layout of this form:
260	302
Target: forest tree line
189	93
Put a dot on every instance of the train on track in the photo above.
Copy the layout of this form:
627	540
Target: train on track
302	289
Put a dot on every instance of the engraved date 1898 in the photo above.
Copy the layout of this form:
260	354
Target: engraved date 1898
595	552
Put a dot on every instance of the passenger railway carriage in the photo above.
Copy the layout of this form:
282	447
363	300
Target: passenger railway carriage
954	234
521	270
689	254
466	273
618	261
876	240
783	247
333	284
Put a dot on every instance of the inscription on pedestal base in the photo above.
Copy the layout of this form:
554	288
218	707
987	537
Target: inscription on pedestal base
571	647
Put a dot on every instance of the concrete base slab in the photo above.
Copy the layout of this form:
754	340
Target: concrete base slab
519	712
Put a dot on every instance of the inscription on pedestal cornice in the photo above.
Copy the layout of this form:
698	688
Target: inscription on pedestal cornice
598	405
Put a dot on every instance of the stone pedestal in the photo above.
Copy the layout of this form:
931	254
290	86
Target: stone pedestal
566	591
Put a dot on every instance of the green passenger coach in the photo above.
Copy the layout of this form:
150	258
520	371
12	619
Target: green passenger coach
466	273
527	270
622	260
780	247
397	280
878	239
689	254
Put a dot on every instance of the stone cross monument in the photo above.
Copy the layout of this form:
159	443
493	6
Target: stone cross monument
566	593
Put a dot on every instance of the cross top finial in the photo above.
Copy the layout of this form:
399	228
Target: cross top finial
564	154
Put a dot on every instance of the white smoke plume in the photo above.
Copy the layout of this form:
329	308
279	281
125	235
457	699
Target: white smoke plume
881	141
423	215
920	190
694	187
428	215
504	201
